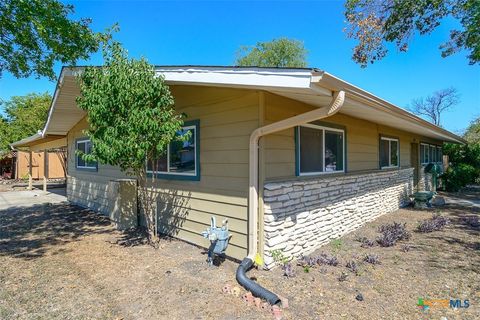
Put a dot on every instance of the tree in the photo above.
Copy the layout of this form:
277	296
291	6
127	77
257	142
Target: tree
472	134
464	159
373	23
24	116
131	117
37	33
433	106
281	52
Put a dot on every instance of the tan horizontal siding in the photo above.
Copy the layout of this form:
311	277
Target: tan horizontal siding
362	139
227	117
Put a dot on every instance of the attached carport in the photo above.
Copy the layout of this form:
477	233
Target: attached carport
40	143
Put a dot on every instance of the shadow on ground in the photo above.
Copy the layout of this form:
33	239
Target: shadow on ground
447	248
31	232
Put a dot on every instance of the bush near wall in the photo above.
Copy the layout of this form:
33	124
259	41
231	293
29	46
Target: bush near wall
464	166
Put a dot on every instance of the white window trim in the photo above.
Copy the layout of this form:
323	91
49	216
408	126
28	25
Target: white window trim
314	126
76	164
428	156
390	153
194	127
436	147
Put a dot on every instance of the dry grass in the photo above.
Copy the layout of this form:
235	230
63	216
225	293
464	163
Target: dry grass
62	262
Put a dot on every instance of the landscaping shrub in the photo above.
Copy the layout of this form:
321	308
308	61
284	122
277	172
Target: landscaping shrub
458	176
288	270
326	259
307	261
464	165
472	221
365	242
352	266
372	259
436	223
391	233
287	267
322	259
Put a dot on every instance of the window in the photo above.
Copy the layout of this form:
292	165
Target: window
424	153
430	153
84	146
320	150
181	158
439	155
389	152
433	154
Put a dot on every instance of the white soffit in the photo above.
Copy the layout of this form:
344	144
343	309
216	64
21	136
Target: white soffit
64	113
310	86
377	116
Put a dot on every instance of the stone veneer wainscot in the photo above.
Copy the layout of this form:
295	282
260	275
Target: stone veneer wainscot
301	215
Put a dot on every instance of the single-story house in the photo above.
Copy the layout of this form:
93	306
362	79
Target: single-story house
293	157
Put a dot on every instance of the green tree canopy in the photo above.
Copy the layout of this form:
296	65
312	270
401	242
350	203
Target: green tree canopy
24	116
464	159
472	134
37	33
281	52
131	117
373	23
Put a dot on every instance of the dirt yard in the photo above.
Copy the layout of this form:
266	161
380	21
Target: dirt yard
21	185
62	262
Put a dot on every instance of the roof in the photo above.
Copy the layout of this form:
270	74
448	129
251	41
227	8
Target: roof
309	85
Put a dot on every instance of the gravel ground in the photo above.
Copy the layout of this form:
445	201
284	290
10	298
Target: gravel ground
62	262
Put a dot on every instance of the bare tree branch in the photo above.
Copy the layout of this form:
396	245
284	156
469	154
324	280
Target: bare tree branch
432	107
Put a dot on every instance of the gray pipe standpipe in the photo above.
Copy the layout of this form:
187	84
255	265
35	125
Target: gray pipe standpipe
247	263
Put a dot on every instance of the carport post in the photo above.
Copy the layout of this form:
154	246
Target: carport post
30	178
45	169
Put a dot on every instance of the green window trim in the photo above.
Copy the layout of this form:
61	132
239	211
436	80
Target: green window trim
325	127
193	124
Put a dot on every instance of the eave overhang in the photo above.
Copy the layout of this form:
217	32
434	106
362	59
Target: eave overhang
311	86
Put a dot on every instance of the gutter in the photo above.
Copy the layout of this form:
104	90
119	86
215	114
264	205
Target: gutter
373	101
317	114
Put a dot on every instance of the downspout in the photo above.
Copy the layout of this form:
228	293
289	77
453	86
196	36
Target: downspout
317	114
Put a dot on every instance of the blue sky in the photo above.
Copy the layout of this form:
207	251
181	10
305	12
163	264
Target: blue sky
209	33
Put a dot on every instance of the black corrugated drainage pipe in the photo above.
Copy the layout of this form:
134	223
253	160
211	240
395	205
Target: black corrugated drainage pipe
256	289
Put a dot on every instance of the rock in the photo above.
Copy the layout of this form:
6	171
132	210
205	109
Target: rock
359	297
438	201
328	207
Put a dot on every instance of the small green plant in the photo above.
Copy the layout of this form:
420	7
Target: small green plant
396	259
336	244
306	269
278	257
